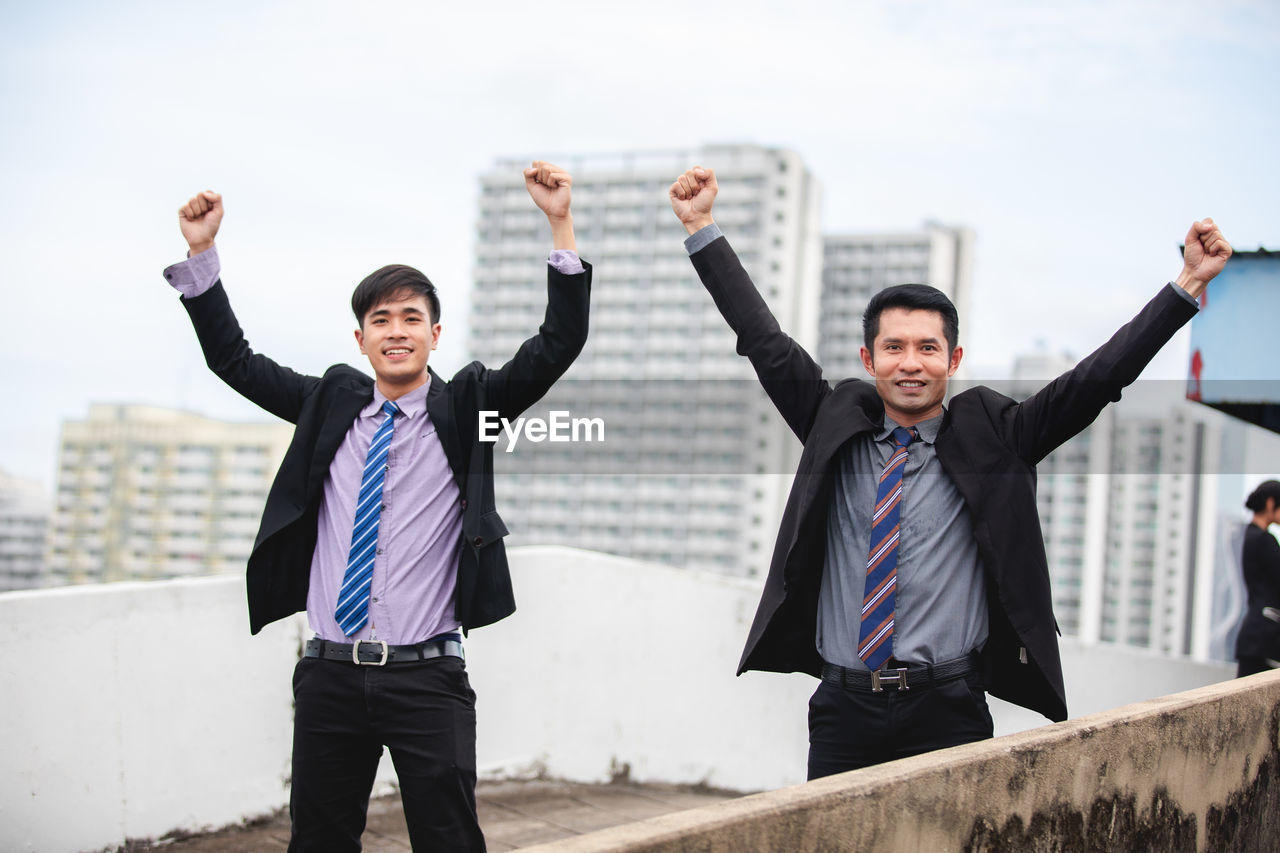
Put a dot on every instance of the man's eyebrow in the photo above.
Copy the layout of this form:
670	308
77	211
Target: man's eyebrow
930	339
408	309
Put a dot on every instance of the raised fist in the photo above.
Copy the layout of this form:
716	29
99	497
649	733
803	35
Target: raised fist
692	196
1206	251
199	219
550	187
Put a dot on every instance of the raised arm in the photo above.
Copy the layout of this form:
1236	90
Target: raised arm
1071	402
274	387
789	375
543	358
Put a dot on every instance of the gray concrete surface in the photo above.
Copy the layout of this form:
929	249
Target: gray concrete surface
1195	771
512	814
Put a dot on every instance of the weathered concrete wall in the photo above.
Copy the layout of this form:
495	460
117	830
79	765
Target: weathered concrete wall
1196	771
135	709
145	708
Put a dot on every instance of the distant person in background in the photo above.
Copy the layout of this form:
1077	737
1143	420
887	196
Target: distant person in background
1258	645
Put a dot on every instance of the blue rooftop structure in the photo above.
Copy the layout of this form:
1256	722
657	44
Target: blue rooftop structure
1235	341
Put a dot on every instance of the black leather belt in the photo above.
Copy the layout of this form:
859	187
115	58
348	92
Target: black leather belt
378	653
903	676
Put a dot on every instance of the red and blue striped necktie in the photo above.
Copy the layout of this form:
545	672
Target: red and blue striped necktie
875	637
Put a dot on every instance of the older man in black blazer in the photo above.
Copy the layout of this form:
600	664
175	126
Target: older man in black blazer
954	589
381	525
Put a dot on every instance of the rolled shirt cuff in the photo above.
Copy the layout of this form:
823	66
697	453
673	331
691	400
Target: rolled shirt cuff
566	261
1185	295
699	239
196	274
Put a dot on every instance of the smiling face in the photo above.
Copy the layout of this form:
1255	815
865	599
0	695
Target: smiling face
911	364
398	336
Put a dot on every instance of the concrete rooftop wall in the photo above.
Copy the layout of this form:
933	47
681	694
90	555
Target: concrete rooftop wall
133	710
1197	771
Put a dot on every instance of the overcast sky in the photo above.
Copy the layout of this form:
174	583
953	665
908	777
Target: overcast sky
1078	140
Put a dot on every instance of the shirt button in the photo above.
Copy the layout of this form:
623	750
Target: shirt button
379	550
463	503
375	598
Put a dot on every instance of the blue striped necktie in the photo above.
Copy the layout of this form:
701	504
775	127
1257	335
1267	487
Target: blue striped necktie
353	598
875	637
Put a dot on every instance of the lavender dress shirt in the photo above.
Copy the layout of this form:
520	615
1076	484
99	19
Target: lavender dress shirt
416	567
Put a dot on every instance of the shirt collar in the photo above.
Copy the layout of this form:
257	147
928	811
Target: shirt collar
928	430
411	405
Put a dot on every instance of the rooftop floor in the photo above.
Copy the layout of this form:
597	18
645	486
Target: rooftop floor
512	815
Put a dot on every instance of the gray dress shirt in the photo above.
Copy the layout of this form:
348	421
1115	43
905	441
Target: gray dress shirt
941	606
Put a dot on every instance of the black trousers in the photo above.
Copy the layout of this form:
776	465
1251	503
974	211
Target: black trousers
851	728
423	712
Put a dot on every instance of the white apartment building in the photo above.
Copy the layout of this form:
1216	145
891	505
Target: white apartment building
146	492
857	266
1166	554
695	464
24	512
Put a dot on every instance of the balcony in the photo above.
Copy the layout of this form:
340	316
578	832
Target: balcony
135	710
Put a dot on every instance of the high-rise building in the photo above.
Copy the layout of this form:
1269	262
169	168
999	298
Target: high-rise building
857	266
1161	566
24	512
694	465
147	493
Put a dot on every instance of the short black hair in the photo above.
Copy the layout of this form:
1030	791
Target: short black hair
913	297
1257	501
394	282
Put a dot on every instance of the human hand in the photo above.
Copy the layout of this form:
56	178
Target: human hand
692	196
199	219
1205	255
550	186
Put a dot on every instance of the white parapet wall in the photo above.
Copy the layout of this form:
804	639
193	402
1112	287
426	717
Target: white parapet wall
133	710
613	666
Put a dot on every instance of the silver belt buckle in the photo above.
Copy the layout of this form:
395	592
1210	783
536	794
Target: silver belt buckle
355	653
897	677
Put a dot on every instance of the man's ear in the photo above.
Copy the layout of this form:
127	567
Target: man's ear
435	335
360	341
956	355
868	362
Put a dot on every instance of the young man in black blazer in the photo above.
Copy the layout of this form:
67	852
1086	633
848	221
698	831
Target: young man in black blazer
381	525
964	606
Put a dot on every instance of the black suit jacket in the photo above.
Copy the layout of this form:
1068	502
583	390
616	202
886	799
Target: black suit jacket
1259	635
323	409
989	445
